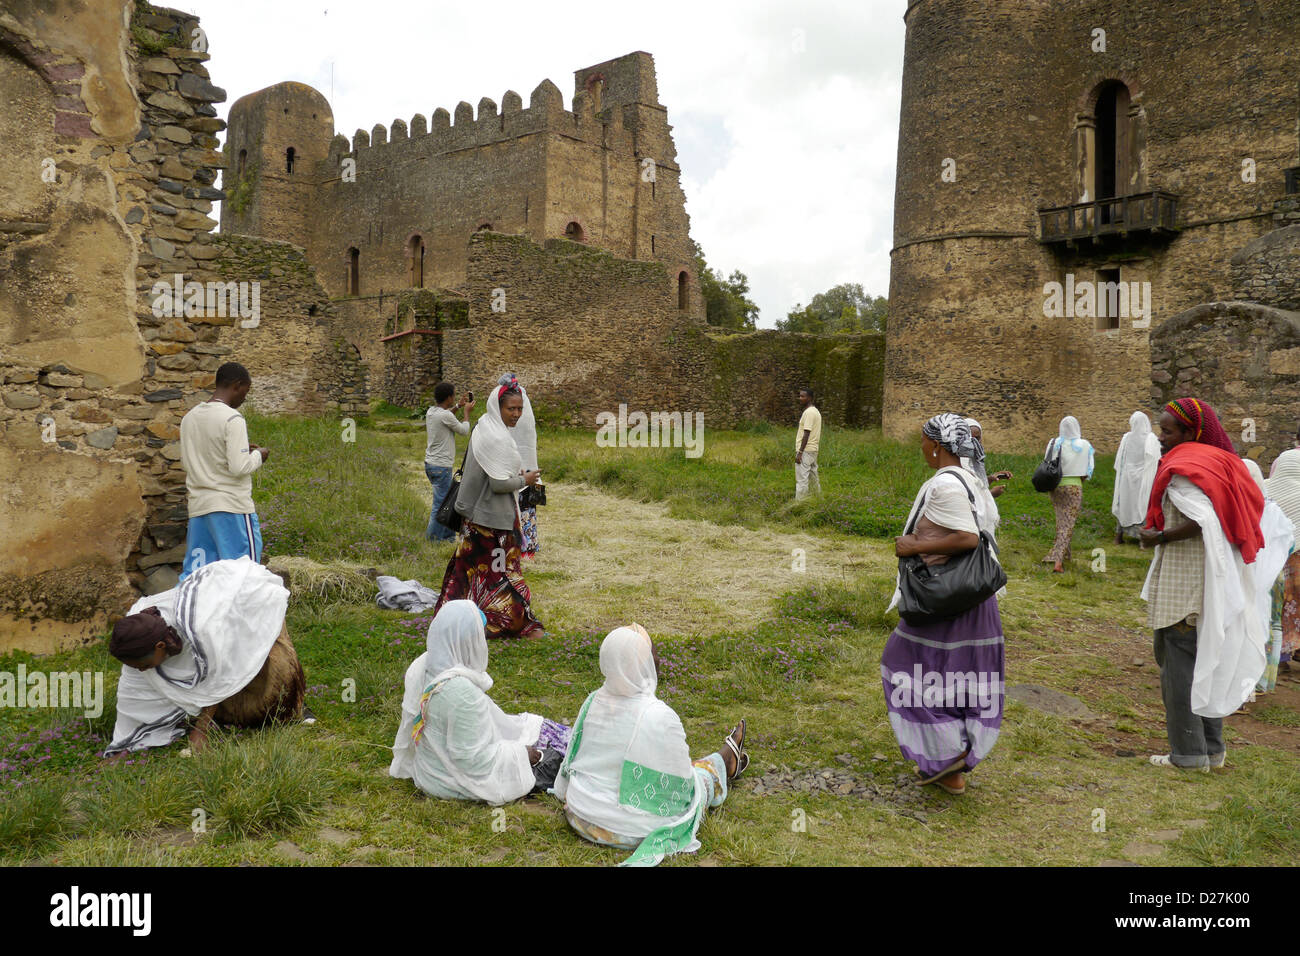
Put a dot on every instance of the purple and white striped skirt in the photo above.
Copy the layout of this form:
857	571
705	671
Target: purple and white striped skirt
944	685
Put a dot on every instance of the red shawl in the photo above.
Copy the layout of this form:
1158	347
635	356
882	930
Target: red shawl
1237	500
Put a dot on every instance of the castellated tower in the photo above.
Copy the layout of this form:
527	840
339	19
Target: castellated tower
276	139
1126	146
395	207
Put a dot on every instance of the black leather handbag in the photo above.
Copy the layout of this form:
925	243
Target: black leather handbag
1048	473
944	591
447	515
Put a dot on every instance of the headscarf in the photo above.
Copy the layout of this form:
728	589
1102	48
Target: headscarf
457	645
491	442
525	430
952	432
1077	454
975	463
1284	486
1201	419
628	664
1252	466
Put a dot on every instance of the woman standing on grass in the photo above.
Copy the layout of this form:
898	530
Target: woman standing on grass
485	567
1067	497
1135	469
454	742
947	733
525	435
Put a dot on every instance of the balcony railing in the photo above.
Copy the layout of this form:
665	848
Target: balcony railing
1152	213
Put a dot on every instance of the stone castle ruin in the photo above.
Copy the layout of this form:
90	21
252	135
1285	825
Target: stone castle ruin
1096	144
549	241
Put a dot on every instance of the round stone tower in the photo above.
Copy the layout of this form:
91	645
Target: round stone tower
274	143
1070	174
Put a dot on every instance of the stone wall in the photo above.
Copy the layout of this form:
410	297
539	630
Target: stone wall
1267	270
1007	90
1241	357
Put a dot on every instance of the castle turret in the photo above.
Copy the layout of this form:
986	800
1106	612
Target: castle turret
276	138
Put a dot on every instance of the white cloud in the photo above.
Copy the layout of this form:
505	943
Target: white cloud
785	116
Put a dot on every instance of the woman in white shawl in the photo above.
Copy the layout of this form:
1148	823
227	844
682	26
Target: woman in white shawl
1067	497
628	780
215	648
454	742
1136	461
525	435
486	567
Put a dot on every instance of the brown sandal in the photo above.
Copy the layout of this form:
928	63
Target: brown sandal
957	787
957	766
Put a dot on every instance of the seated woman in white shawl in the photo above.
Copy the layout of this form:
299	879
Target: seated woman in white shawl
1136	460
628	779
215	647
454	741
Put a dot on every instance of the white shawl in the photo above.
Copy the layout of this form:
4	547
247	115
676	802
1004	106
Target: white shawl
1136	462
626	729
525	430
469	749
1076	451
1231	634
985	510
228	615
492	444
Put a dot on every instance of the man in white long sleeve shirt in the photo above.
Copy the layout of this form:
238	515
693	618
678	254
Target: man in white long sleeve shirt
219	463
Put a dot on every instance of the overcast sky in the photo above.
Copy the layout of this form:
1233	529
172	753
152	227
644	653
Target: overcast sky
785	114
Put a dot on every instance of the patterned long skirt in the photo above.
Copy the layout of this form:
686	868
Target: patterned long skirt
1067	500
485	569
944	686
1290	601
532	543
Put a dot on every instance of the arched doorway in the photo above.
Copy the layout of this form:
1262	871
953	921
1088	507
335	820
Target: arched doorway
415	256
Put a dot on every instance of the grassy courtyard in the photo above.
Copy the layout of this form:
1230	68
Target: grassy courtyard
763	608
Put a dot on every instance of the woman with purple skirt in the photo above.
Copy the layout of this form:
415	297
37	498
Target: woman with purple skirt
944	681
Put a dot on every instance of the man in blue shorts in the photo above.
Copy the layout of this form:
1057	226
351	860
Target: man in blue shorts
219	464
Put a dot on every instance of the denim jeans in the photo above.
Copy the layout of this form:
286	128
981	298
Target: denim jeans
1193	739
440	478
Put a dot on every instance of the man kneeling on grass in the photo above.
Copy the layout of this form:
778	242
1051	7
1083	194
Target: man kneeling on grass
215	648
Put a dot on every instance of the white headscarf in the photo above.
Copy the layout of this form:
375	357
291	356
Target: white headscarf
457	645
492	444
627	661
975	463
1284	485
525	430
1076	453
1136	461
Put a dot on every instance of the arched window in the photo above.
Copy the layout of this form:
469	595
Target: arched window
288	160
683	291
575	232
243	158
415	255
354	271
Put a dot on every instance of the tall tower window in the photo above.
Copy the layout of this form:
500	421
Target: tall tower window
683	291
415	253
243	158
288	160
354	271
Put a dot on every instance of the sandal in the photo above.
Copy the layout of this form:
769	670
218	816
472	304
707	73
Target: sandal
742	758
957	766
957	788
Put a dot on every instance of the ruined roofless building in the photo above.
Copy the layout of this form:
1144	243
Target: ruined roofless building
396	207
1074	141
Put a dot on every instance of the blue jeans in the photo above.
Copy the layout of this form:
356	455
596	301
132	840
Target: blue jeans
440	478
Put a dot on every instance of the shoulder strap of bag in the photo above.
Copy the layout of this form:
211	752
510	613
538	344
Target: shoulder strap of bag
464	458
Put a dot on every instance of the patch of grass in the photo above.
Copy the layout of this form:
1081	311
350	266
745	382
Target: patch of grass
1281	716
260	782
33	814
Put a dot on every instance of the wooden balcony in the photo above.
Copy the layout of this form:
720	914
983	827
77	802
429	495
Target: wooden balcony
1148	215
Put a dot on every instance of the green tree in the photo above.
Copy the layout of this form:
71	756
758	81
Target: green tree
845	308
726	300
